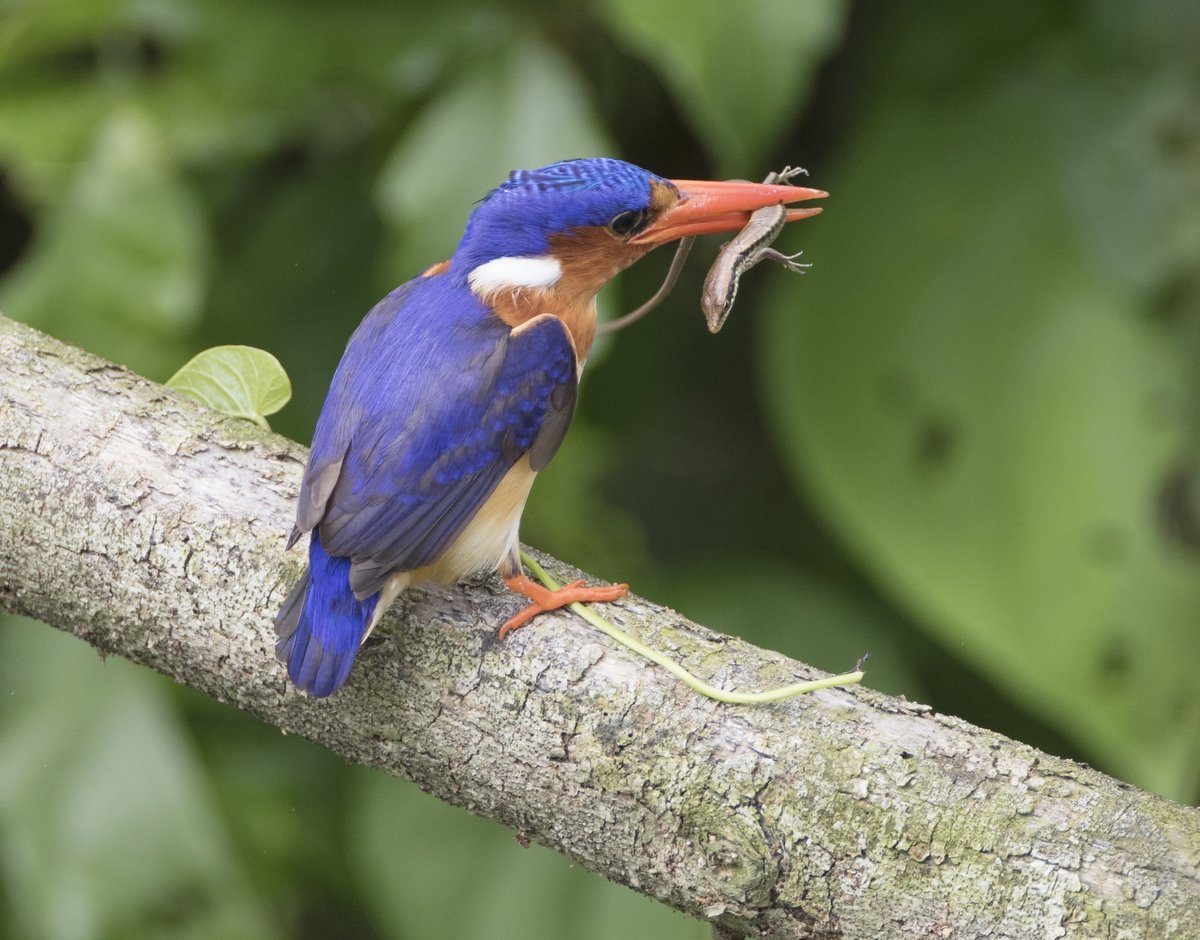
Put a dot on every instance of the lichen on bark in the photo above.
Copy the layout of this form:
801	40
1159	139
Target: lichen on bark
154	529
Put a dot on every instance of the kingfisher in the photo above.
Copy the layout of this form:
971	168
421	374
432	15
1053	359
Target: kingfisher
456	390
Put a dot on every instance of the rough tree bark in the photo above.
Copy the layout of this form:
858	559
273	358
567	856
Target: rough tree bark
154	529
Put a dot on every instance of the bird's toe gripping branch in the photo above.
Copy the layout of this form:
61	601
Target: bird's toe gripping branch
544	599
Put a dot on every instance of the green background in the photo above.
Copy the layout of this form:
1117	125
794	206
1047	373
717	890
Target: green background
966	441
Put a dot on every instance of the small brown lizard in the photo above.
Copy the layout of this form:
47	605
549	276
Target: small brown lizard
742	252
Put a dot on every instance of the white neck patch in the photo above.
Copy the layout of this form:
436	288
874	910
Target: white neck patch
514	274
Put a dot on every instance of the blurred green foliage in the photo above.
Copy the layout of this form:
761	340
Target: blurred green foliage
967	441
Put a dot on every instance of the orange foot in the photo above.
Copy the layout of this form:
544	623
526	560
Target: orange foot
545	599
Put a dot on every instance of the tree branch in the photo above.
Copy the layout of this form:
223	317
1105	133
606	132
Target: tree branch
154	528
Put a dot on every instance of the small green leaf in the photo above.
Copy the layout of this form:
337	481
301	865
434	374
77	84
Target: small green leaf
236	380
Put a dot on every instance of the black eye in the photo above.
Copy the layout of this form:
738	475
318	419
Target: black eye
625	222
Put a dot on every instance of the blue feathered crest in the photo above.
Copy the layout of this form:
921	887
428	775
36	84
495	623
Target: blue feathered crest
580	175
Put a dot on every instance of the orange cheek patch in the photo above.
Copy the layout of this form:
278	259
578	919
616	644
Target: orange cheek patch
590	258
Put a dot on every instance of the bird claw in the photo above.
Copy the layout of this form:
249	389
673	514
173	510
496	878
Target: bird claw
544	600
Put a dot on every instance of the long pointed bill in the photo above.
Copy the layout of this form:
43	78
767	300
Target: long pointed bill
708	206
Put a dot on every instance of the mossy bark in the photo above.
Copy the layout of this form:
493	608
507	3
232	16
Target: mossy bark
154	529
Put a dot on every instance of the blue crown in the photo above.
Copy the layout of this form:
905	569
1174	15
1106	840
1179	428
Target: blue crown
584	174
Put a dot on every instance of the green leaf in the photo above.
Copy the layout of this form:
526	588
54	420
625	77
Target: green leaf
235	380
741	71
118	266
224	81
987	418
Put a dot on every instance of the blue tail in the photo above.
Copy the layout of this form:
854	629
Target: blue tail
322	623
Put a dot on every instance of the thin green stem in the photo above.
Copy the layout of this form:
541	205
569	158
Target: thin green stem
691	681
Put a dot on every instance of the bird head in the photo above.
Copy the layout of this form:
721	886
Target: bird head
572	226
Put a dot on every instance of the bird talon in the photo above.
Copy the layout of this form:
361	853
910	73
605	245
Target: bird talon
545	600
518	620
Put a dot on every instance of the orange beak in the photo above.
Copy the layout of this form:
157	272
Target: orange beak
707	206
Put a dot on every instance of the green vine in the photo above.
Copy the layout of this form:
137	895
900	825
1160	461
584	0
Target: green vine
691	681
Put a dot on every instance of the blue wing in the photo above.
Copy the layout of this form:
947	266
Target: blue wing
434	401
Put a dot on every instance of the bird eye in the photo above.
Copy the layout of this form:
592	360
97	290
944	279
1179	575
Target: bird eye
623	223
